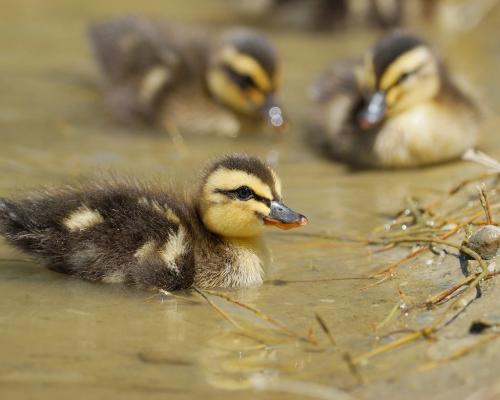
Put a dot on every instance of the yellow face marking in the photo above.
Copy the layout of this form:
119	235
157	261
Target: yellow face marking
82	218
256	96
230	179
231	217
246	65
248	100
406	62
423	84
229	93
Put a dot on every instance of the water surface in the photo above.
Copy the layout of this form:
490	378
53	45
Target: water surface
63	337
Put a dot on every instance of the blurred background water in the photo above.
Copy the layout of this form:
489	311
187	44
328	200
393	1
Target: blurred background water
62	337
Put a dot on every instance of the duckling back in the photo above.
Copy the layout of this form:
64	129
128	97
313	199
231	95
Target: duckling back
142	61
121	233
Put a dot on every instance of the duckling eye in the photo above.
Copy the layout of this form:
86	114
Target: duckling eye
244	81
404	76
244	193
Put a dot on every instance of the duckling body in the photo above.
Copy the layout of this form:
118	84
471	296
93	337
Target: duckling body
185	78
398	108
125	232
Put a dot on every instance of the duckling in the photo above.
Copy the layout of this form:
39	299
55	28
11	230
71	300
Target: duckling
184	79
322	15
311	14
398	108
122	231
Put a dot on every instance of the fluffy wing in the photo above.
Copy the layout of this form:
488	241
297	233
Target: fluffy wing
140	60
119	233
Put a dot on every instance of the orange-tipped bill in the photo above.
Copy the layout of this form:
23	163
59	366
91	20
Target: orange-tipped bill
283	217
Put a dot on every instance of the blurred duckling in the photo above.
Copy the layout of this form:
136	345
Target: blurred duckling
125	232
311	14
322	15
398	108
185	79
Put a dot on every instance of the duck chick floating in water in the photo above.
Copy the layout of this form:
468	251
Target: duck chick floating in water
186	79
399	108
135	234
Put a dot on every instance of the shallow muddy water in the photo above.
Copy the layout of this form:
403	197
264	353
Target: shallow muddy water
61	337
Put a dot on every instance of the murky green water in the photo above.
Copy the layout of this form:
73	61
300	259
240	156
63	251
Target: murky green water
61	337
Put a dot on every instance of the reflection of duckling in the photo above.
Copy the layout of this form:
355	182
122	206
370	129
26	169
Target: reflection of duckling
174	76
126	232
399	109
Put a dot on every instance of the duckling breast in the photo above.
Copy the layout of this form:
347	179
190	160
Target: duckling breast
425	134
229	265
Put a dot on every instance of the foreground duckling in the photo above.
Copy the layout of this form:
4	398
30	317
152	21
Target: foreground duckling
400	108
131	233
184	79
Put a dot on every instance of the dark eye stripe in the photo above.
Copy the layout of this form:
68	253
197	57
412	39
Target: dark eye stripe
264	200
242	80
406	75
233	194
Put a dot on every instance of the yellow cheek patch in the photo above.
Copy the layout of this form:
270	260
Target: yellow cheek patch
406	62
256	96
227	91
257	207
83	218
393	96
246	65
229	179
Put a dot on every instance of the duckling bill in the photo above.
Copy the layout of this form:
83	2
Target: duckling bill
124	232
187	79
397	108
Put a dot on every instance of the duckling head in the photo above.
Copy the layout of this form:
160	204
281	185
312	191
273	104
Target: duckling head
243	74
400	72
240	195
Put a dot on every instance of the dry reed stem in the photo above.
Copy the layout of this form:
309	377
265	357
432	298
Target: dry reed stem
452	311
389	316
282	327
438	298
224	315
460	352
389	267
183	298
485	203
